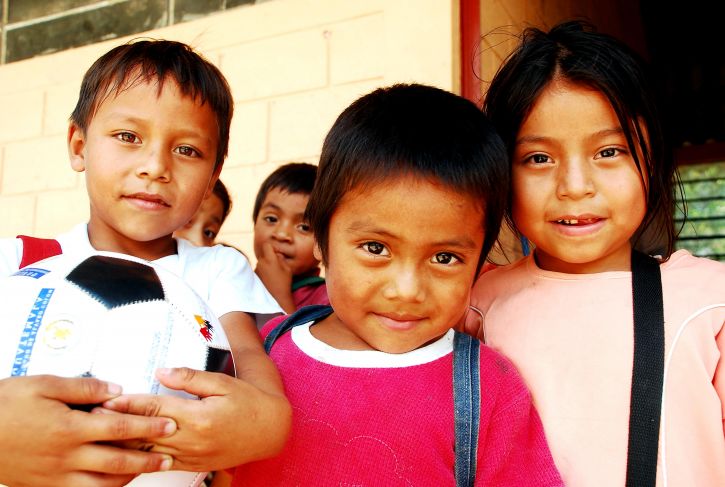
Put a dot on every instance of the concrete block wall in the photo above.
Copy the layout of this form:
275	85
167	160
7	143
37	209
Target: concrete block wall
293	65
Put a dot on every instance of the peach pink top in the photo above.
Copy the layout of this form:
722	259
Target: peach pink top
571	337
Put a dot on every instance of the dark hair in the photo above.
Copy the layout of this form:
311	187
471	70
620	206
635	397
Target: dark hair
220	191
575	52
148	60
411	129
293	178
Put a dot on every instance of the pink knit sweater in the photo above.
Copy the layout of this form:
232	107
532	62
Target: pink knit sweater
371	418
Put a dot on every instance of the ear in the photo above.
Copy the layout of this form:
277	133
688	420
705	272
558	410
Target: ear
316	252
76	147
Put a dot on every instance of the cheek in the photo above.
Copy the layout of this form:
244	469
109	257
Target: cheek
519	208
453	301
259	237
348	282
341	291
636	205
306	246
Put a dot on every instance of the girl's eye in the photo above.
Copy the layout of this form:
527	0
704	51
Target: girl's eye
304	228
609	152
127	137
375	248
445	258
540	159
270	219
210	234
187	151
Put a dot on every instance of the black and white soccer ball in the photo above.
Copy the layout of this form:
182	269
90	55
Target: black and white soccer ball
109	316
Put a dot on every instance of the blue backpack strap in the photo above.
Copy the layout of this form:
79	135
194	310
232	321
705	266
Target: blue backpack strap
467	406
303	315
466	388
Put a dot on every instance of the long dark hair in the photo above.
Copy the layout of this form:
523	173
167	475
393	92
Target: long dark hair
575	52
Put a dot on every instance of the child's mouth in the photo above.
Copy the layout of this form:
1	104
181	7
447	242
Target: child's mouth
577	221
399	322
283	254
147	200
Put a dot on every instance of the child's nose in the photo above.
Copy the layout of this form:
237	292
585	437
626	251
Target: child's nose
406	283
575	179
155	165
282	232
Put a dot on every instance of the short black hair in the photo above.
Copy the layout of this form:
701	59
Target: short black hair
411	129
293	178
574	51
157	60
221	192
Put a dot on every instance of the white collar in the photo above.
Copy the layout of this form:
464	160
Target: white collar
323	352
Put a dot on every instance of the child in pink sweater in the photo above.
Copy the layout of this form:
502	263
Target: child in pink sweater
409	198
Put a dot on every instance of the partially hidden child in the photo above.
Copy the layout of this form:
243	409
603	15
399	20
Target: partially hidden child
409	198
150	131
623	352
283	239
203	229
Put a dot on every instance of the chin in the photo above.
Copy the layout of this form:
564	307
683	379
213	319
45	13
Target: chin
397	348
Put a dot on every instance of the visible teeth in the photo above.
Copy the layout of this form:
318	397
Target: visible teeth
569	222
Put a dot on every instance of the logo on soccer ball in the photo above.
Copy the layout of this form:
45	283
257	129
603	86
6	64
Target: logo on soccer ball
204	327
60	334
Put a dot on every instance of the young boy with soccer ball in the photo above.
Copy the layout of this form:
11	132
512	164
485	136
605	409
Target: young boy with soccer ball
150	131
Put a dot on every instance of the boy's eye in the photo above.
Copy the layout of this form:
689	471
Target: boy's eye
127	137
185	150
445	258
375	248
270	219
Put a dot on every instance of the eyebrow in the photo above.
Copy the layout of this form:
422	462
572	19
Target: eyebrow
464	242
271	205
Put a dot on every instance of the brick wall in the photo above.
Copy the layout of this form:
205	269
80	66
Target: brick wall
293	65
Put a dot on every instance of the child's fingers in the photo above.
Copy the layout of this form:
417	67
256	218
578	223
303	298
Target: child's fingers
74	390
268	252
112	460
144	405
197	382
116	427
282	262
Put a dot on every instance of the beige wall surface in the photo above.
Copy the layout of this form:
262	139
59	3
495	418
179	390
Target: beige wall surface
293	66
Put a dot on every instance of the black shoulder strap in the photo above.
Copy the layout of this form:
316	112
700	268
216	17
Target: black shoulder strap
647	371
466	406
303	315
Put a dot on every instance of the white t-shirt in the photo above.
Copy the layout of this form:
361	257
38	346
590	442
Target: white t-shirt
221	275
